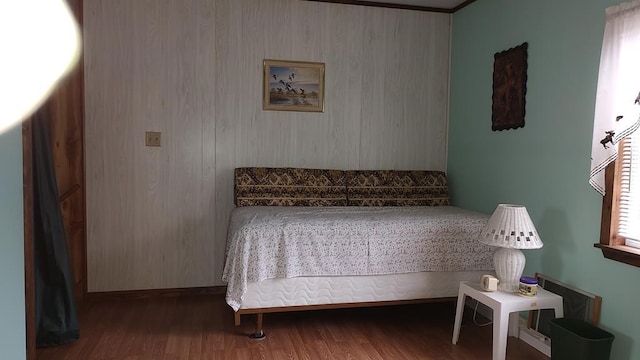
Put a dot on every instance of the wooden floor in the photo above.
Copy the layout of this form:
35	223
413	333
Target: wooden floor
201	327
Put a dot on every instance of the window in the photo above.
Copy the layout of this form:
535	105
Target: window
619	232
615	151
629	179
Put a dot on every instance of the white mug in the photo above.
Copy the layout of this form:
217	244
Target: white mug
489	283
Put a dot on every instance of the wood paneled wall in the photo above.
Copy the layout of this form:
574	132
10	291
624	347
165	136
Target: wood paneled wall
192	69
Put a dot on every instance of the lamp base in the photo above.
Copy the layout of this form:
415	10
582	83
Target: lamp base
509	265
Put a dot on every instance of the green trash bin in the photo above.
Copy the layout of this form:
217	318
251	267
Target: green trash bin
573	339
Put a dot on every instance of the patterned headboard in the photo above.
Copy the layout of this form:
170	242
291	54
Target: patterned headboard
397	188
289	187
323	187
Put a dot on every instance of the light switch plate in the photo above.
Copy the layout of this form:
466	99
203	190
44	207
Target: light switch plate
152	138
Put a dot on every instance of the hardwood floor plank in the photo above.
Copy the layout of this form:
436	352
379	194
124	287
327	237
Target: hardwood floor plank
201	327
284	354
371	352
135	344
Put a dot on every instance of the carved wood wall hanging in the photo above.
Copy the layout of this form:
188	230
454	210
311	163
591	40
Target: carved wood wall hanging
509	88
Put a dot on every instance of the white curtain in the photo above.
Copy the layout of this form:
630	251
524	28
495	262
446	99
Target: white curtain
618	96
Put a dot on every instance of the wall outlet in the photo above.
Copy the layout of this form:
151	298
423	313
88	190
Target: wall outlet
152	138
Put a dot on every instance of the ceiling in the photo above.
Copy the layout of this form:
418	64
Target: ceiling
447	6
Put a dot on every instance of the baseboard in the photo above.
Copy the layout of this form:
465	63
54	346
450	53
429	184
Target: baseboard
154	293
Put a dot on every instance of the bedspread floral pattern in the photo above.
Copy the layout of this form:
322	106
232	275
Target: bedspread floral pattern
289	241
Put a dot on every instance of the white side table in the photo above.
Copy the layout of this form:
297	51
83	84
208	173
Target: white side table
505	308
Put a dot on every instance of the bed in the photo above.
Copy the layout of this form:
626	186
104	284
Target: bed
302	239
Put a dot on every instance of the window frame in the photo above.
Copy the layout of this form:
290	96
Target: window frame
613	245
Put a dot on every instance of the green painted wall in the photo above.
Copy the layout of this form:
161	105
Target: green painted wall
12	325
544	165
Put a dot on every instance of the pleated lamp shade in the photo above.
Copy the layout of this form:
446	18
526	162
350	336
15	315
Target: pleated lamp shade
510	229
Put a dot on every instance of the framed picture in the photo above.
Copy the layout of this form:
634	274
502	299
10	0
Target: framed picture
509	88
293	86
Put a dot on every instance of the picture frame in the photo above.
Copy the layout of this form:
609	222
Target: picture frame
293	85
509	88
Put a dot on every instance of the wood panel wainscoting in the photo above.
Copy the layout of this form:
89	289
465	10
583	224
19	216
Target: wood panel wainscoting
201	326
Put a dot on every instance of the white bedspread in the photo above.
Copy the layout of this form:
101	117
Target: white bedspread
266	242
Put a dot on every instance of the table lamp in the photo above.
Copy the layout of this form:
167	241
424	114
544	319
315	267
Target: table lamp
510	229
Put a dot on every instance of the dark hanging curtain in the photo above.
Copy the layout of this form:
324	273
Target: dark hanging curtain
56	313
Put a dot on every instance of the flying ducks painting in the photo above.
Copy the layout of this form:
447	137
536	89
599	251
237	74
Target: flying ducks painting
293	86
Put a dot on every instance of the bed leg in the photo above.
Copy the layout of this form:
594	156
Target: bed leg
258	334
236	317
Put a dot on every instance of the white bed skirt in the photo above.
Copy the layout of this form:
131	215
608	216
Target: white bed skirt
322	290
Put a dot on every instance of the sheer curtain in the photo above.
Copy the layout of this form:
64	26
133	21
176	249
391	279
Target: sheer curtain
618	96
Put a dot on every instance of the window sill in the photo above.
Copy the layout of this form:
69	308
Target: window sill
621	253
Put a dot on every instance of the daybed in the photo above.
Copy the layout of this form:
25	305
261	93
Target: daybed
303	239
